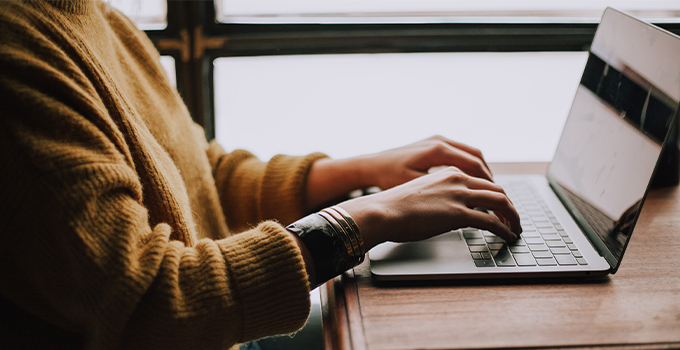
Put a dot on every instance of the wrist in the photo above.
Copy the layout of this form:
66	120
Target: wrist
330	179
371	218
330	242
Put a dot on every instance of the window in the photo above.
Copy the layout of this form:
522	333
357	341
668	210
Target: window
147	14
221	49
438	11
510	105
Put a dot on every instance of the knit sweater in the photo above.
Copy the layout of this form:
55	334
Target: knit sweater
120	225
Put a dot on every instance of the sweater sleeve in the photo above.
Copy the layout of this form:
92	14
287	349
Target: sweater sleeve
78	252
251	190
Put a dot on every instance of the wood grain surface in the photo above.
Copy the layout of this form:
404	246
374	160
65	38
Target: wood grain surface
637	308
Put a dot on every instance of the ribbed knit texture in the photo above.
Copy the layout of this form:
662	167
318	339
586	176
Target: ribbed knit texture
117	216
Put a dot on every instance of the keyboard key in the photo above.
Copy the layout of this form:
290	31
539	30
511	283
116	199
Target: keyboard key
542	224
488	234
536	247
486	255
565	260
563	233
484	263
552	238
530	234
504	258
476	241
555	244
528	228
531	240
542	254
519	242
546	262
524	260
576	254
496	246
477	256
516	249
581	261
559	227
472	234
555	222
567	240
560	251
547	230
572	247
478	249
494	239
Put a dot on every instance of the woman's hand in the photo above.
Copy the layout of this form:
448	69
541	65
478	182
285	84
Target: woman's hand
434	204
397	166
329	179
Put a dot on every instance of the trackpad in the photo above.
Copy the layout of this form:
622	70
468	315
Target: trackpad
440	254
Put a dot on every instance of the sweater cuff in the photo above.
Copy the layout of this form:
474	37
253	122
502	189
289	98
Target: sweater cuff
283	187
269	276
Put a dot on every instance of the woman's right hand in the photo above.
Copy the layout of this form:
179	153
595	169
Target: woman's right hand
431	205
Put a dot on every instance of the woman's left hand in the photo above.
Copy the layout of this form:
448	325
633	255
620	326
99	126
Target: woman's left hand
397	166
329	179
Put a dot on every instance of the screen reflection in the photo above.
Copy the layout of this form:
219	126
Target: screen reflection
609	148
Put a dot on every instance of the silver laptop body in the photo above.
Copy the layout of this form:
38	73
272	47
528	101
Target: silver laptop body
579	217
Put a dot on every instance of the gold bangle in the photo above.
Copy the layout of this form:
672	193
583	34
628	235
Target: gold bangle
331	220
345	226
339	223
353	224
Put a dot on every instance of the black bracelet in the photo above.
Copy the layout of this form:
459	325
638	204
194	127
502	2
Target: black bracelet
325	245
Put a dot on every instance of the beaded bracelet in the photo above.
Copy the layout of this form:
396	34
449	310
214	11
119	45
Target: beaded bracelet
333	240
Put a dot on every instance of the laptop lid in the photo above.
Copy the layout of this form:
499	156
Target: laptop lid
622	114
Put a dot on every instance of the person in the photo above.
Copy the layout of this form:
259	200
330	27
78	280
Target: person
124	228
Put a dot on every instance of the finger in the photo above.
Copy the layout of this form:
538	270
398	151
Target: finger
499	204
490	223
466	162
475	183
468	149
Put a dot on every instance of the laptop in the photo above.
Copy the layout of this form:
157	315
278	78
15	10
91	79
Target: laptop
577	219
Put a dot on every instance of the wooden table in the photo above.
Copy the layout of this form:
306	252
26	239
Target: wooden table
638	307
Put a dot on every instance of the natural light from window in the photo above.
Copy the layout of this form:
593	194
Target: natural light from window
439	11
510	105
147	14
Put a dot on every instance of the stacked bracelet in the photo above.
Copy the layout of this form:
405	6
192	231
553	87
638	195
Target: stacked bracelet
348	231
333	240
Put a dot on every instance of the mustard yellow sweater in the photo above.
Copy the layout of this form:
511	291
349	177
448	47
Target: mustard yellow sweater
117	218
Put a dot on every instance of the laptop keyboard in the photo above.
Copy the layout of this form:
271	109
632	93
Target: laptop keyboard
543	241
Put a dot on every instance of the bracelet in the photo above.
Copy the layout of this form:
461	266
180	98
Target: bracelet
333	240
354	227
350	229
343	229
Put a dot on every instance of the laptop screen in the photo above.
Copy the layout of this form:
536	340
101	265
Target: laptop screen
621	115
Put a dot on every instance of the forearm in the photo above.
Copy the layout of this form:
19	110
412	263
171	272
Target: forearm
331	179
